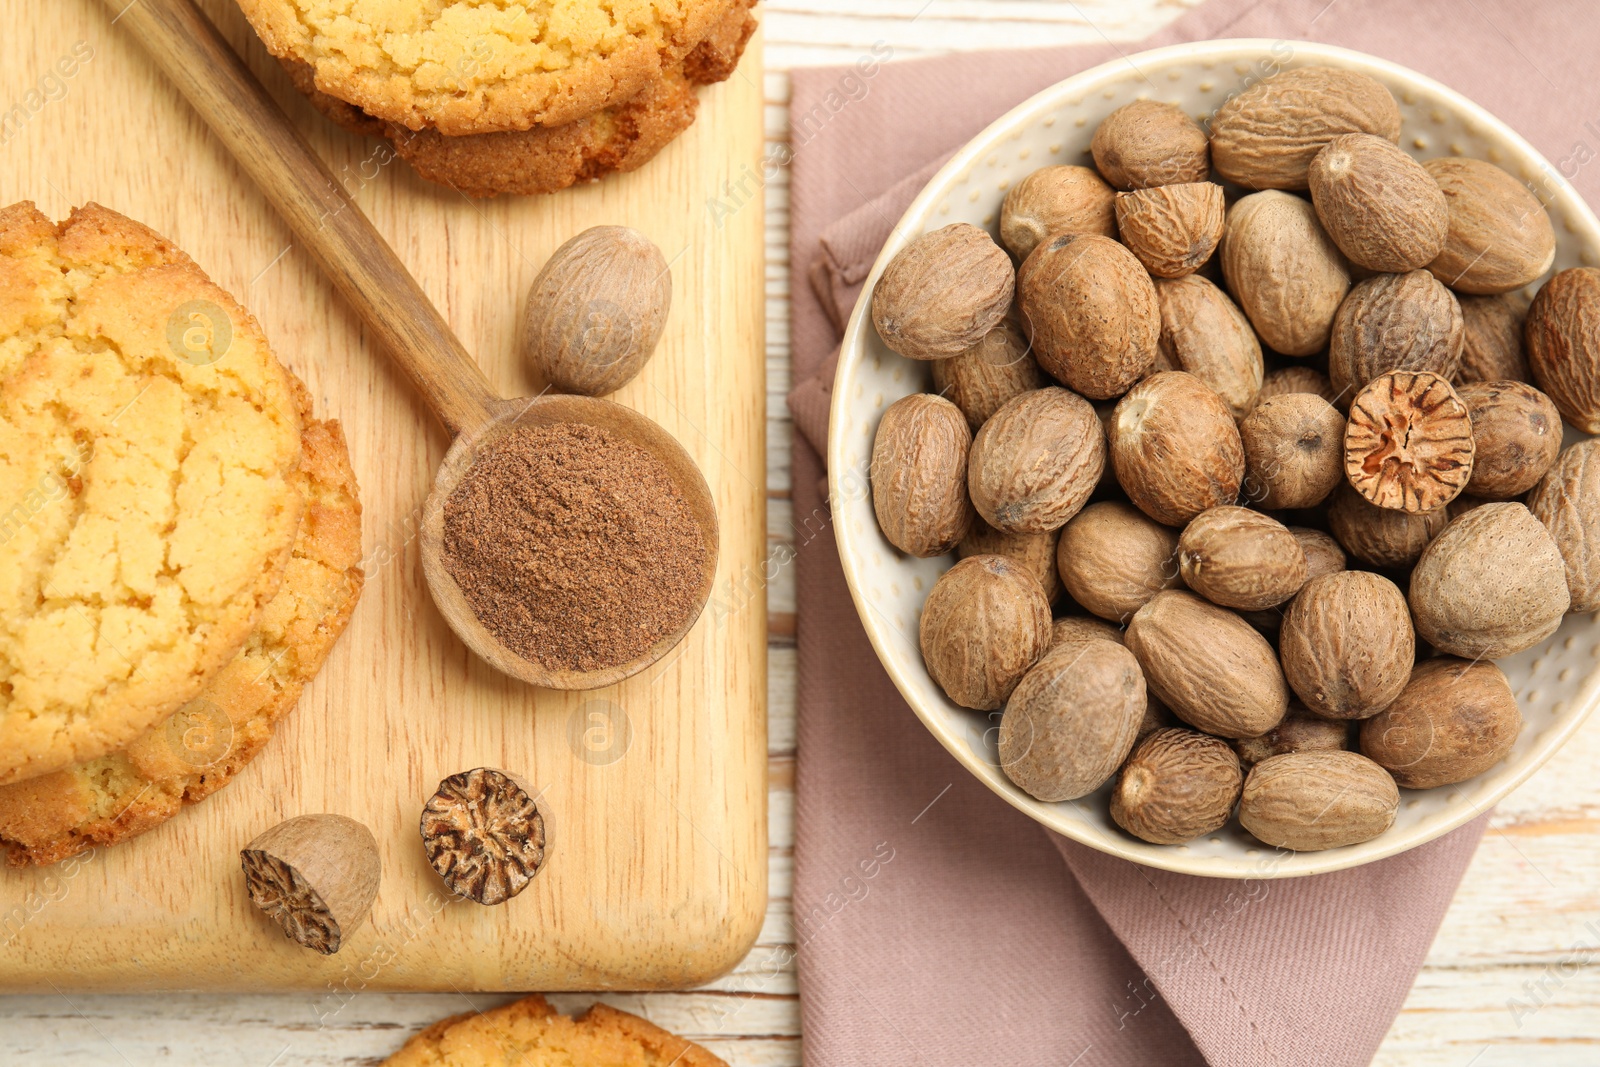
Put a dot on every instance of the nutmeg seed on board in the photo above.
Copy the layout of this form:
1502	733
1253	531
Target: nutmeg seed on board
597	310
942	293
485	835
1090	309
315	876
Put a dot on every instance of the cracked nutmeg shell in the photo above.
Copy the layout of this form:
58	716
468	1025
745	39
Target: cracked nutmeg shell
1394	322
1090	309
1178	785
1408	442
1309	801
1492	584
1036	460
1516	436
1286	272
985	623
1567	501
315	876
1052	201
1205	334
1267	136
1175	447
485	835
1173	229
1383	210
1563	342
919	475
1240	558
1454	720
1208	665
1499	236
942	293
1347	644
984	377
1072	720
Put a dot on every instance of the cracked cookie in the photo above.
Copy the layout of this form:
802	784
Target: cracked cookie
149	444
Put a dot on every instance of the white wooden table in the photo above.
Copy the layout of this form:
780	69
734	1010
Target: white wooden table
1514	977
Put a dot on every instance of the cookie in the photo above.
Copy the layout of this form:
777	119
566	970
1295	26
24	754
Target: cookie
547	159
530	1033
148	449
482	66
207	742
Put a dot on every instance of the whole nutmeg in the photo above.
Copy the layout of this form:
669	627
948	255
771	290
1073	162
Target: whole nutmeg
1205	334
1516	436
1079	628
985	622
1499	237
1208	665
1240	558
1175	448
1035	551
1302	379
1072	720
1408	442
1090	310
942	293
1267	136
985	376
1563	337
1454	720
1053	201
1347	644
1567	501
1394	322
1377	203
1491	584
1323	554
1112	558
1173	229
1309	801
1491	346
1300	731
1178	785
596	311
918	472
1288	274
1382	537
1035	462
1293	451
1147	143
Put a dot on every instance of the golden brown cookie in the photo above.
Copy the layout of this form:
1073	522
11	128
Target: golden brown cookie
530	1033
545	159
199	749
148	448
481	66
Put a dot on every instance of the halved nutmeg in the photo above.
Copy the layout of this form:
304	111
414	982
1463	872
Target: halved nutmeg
315	876
1408	444
485	835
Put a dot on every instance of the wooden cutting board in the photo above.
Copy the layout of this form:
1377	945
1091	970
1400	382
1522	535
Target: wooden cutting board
657	787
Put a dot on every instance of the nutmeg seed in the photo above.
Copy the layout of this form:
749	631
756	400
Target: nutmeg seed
1491	346
1347	644
1499	236
1567	502
1173	229
1178	785
1035	462
1176	448
1113	558
919	466
1383	210
1056	201
1516	436
985	622
1240	558
1454	720
985	376
1293	451
1309	801
1148	143
942	293
1382	537
1408	443
1394	322
1563	336
1286	271
1205	334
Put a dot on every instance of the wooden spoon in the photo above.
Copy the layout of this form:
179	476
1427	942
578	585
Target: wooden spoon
363	267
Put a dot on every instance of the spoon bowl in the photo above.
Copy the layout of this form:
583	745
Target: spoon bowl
549	410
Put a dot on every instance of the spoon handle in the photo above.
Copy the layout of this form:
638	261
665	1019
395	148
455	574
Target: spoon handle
360	263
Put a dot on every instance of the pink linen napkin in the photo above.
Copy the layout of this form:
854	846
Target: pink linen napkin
937	925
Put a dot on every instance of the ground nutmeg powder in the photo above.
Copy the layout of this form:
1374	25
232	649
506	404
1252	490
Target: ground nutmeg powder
573	547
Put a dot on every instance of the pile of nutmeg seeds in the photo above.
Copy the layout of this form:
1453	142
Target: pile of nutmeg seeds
1282	451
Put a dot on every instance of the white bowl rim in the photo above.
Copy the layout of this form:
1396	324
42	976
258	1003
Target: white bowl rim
1275	863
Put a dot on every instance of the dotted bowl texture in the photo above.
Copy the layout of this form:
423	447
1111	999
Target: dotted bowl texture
1556	683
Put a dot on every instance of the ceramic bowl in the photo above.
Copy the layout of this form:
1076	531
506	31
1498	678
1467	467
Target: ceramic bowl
1556	683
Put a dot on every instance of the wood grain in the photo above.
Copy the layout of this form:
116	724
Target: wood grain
656	787
1526	902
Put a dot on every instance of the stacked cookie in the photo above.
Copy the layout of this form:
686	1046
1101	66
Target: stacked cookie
495	98
182	543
